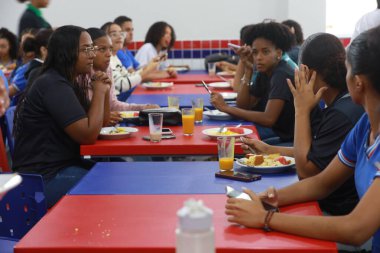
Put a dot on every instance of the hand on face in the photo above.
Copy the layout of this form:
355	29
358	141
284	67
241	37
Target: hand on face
303	90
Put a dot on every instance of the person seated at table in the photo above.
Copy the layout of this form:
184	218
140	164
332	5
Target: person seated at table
159	39
125	80
8	51
101	63
55	115
359	156
267	101
296	30
319	133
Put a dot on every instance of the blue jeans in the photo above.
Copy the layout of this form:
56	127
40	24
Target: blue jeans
57	187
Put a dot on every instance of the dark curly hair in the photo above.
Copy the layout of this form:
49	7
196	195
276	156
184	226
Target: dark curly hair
297	30
277	33
363	55
122	19
325	54
12	40
157	31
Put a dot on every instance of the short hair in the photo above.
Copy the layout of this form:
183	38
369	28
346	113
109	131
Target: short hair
244	33
297	29
12	40
157	31
364	56
106	26
277	33
122	19
325	54
96	33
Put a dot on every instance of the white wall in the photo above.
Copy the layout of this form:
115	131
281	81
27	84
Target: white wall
191	19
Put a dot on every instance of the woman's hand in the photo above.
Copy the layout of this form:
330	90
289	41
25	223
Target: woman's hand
258	146
115	118
101	82
249	213
303	90
172	72
269	196
246	57
217	101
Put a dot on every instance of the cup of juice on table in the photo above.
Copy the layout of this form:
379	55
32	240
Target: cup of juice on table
188	121
226	148
198	109
155	126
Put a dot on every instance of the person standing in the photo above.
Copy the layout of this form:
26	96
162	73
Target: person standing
368	21
32	16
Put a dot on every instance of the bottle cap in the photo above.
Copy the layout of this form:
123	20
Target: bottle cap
194	216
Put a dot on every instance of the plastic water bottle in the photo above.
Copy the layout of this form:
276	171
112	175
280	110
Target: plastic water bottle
195	231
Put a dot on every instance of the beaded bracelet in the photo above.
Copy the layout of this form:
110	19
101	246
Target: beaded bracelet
268	217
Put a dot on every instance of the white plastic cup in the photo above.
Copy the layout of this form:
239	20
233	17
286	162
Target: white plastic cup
155	126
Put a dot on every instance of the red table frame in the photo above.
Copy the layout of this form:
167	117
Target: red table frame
146	223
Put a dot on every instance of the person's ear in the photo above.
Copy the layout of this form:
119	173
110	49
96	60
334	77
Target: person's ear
360	81
278	54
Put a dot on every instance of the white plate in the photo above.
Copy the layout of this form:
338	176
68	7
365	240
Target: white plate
229	95
217	115
267	169
180	69
157	85
106	134
219	85
7	182
129	114
214	132
226	74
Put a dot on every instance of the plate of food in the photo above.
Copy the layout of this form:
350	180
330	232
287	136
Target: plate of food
116	133
180	69
220	85
227	131
272	163
226	73
217	115
229	95
129	114
157	85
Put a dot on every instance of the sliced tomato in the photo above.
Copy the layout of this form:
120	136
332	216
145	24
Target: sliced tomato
236	130
282	160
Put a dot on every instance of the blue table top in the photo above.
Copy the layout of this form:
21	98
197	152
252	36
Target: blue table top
168	178
162	99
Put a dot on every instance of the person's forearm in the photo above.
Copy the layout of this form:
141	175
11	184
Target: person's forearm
286	151
302	144
240	70
106	117
96	114
159	74
252	116
244	99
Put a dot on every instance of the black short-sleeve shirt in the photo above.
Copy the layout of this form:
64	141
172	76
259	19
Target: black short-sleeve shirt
276	87
42	146
336	122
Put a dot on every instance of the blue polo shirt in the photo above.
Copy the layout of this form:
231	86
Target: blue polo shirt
356	154
127	59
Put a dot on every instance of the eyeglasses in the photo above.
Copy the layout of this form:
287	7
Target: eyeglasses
103	50
117	34
89	50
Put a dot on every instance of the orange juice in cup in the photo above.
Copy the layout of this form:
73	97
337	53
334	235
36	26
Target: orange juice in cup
226	163
188	117
198	109
226	148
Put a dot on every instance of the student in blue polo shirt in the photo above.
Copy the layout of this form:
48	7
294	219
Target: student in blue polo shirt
359	156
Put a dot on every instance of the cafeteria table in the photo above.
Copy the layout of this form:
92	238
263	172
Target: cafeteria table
198	144
191	77
162	99
169	178
147	223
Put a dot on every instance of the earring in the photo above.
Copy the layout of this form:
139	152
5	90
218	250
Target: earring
278	57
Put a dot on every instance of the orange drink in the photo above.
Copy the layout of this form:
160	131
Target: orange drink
198	109
198	114
188	121
226	148
226	163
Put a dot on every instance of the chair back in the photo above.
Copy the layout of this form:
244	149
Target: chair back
9	115
22	207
